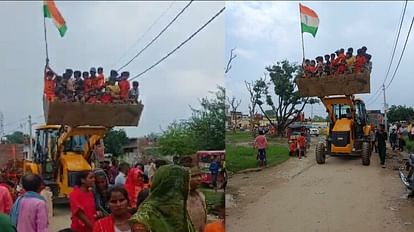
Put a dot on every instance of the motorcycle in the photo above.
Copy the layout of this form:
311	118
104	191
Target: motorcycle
406	175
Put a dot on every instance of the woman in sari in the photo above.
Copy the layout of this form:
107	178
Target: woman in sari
101	191
118	220
165	209
134	184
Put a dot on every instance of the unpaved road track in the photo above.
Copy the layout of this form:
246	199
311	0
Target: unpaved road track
299	195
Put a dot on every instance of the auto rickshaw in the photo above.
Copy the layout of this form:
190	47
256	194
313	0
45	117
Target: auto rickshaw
204	158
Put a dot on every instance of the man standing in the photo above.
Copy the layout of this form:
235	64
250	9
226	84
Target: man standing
261	144
152	168
214	169
123	172
196	202
29	212
381	137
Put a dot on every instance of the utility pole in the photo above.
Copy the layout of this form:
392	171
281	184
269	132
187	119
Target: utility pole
385	109
1	125
30	138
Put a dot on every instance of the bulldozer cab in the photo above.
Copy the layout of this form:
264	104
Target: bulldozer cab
62	152
93	114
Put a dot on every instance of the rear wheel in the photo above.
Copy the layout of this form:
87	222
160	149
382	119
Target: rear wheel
366	154
320	153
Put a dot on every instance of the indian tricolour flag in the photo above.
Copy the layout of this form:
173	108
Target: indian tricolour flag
309	20
51	11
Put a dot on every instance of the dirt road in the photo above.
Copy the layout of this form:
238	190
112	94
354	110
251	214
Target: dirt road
299	195
61	218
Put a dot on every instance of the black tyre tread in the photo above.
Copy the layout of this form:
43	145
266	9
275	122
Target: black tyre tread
365	154
319	153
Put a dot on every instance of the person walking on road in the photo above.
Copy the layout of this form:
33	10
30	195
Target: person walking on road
381	137
261	144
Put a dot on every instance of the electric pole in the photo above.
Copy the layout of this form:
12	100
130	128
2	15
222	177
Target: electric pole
385	109
30	138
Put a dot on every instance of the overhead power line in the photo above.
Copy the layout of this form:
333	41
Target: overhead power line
156	37
396	41
402	53
146	32
179	46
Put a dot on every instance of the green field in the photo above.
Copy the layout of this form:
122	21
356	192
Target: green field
213	199
409	145
242	157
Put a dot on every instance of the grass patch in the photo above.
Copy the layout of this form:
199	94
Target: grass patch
239	136
409	145
241	157
213	199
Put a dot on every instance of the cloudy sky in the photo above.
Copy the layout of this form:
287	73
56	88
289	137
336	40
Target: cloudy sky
266	32
104	34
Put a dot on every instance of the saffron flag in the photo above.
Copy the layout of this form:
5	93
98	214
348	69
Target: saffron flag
309	20
51	11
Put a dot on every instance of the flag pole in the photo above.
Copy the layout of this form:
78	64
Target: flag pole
47	51
301	32
303	48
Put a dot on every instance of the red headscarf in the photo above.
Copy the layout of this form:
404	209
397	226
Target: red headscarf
134	185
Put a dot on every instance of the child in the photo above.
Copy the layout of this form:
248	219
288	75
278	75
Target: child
312	68
306	66
350	62
360	62
100	79
292	148
87	84
79	86
134	92
333	64
368	64
50	83
301	145
124	86
340	61
106	97
319	66
327	65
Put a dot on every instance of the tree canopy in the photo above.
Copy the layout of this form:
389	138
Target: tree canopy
400	113
114	140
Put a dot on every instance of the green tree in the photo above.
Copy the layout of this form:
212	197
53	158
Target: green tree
208	123
114	140
17	137
177	140
400	113
318	118
288	104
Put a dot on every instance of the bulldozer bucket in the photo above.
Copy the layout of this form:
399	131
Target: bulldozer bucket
80	114
344	84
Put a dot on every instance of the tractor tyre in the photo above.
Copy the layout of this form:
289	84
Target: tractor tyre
320	153
366	154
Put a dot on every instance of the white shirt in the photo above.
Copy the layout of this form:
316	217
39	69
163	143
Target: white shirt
120	179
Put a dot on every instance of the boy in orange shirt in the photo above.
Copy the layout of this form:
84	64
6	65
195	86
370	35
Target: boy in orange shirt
124	86
301	145
100	78
50	83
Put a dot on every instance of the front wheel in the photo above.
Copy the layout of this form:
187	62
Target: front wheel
320	153
366	154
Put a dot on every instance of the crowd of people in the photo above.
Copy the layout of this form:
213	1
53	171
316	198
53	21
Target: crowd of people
114	198
90	87
338	63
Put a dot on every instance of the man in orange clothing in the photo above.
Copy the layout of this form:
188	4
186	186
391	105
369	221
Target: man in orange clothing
301	145
50	83
124	86
87	85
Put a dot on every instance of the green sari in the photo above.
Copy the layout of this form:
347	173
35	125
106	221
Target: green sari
165	209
